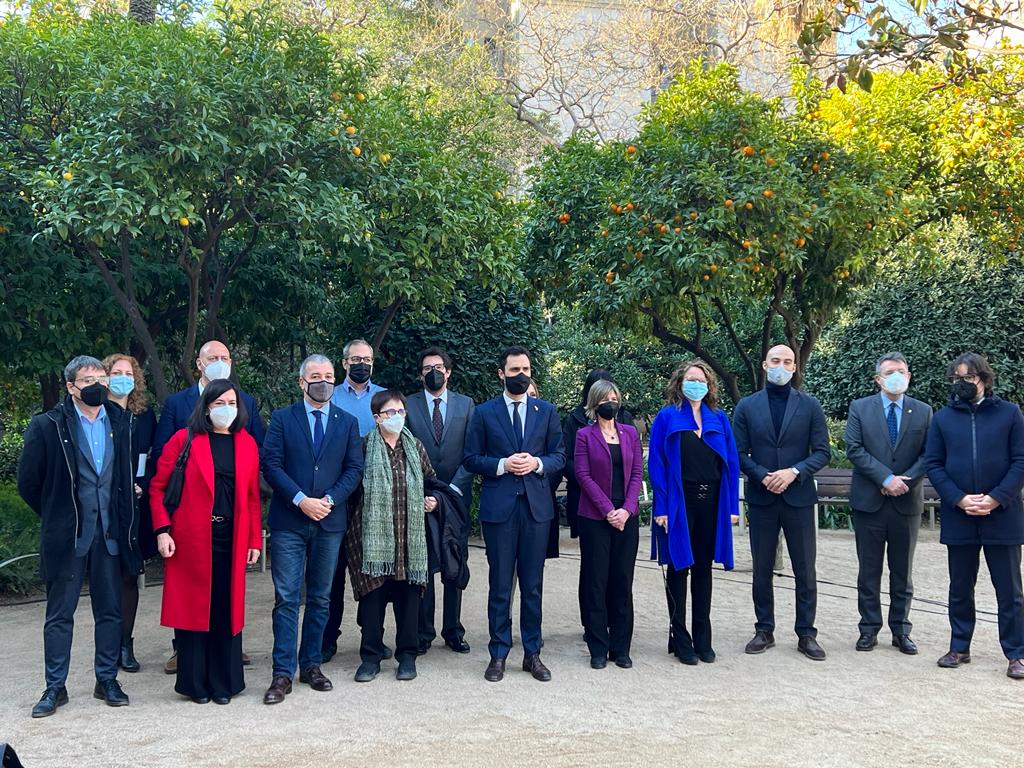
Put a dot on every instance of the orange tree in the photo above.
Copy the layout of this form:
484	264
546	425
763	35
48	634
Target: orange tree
729	220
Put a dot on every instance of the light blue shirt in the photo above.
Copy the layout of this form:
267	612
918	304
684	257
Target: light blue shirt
431	397
357	403
886	402
95	435
325	409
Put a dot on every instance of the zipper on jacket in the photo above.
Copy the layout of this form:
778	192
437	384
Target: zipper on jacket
131	481
974	452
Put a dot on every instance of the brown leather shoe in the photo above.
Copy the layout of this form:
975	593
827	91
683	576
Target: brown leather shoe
954	659
171	667
760	642
315	679
280	687
495	670
1015	669
535	667
809	647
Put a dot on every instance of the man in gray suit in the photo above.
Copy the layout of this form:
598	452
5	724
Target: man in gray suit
438	418
885	441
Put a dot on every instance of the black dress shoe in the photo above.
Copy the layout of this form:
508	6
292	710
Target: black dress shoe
809	647
535	667
687	656
127	660
388	652
406	670
458	645
708	656
110	692
280	687
598	662
200	699
495	670
867	641
905	644
315	679
1015	669
422	648
954	659
760	642
222	700
623	661
49	701
367	671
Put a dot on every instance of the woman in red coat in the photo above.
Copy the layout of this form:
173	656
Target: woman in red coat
207	543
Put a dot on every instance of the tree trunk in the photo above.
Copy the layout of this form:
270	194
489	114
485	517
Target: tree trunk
142	11
50	388
385	324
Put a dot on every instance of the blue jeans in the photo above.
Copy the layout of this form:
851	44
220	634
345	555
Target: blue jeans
312	551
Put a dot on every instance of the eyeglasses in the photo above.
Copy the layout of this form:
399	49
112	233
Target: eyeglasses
392	412
88	381
970	378
428	368
357	360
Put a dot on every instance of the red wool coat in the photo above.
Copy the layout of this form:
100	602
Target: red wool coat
188	573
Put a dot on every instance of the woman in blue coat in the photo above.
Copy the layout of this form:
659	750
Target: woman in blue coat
975	460
695	474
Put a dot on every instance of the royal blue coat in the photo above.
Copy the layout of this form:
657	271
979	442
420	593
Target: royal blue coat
664	464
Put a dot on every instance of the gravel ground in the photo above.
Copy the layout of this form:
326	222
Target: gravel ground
777	709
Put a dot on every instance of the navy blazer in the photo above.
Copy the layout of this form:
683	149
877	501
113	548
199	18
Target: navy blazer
490	439
803	443
289	465
177	409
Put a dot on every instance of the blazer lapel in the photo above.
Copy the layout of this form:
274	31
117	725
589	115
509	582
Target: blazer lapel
299	413
330	427
449	415
792	404
908	411
506	421
531	418
204	458
426	409
764	407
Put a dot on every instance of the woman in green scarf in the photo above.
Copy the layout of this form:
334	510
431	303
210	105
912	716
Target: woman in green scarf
386	540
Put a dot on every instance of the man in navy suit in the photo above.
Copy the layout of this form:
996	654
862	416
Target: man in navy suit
313	459
214	362
782	440
514	442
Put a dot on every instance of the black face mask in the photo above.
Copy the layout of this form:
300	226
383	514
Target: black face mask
94	394
434	380
518	384
319	391
359	373
608	410
964	391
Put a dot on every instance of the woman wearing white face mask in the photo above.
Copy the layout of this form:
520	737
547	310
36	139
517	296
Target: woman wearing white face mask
207	541
386	540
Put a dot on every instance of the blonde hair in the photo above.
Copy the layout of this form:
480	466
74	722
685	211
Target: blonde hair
599	390
138	399
674	391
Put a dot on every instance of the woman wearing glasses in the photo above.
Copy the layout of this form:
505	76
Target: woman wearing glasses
975	460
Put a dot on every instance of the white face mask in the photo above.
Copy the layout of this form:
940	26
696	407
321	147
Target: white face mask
779	376
223	416
218	369
393	424
895	383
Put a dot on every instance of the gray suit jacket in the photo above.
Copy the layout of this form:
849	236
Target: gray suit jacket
446	456
874	457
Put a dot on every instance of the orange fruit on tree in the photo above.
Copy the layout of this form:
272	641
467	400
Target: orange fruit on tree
630	150
630	206
747	243
815	167
728	203
693	215
825	155
357	151
713	267
360	97
351	130
183	221
609	277
748	205
768	193
335	96
707	277
747	150
677	230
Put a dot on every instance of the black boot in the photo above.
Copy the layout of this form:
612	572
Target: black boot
127	661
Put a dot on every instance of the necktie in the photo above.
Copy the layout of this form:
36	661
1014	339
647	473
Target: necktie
891	421
436	419
318	431
517	424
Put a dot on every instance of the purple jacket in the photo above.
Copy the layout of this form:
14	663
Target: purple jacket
593	466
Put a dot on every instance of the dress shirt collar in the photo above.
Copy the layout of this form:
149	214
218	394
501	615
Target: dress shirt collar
346	385
888	402
431	397
509	400
324	409
102	416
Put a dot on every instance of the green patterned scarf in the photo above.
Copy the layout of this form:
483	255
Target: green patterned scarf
378	517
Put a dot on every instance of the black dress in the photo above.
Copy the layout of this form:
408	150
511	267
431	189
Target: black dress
210	663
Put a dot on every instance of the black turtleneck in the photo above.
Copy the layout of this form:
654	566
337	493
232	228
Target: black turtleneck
778	398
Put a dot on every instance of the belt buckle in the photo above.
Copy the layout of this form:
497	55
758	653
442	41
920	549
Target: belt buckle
217	518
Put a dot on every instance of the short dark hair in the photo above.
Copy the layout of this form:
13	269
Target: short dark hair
596	375
199	422
378	400
976	364
435	352
80	363
512	352
891	357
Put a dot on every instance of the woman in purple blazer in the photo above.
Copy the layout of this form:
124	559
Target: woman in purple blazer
609	467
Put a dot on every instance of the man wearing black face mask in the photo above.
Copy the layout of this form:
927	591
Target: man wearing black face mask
438	418
312	457
975	459
513	442
76	473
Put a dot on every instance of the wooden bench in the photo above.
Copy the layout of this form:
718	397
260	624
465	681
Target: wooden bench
833	486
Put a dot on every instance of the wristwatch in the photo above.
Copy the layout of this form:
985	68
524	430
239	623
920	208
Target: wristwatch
795	471
329	499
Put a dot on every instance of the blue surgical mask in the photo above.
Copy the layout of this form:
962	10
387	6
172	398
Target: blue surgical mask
393	424
895	383
695	390
121	386
779	376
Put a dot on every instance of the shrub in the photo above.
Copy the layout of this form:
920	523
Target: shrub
10	449
19	535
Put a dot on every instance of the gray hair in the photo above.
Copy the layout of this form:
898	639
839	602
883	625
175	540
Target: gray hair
78	363
319	359
599	390
345	351
891	357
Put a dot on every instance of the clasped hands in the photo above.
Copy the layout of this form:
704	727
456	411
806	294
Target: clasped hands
779	480
896	486
617	518
977	504
521	464
315	509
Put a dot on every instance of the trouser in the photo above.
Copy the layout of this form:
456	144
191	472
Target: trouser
61	602
798	525
515	549
405	600
305	554
451	614
336	611
607	559
885	533
1003	562
702	524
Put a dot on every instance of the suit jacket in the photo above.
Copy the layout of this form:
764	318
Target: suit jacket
801	443
874	457
445	456
290	466
593	466
178	408
490	439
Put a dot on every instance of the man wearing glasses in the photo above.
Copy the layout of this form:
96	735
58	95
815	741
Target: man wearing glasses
76	473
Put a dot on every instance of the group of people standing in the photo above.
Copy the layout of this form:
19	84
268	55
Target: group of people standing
371	484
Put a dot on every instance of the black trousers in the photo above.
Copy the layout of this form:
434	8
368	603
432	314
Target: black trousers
332	629
210	663
798	524
451	627
405	600
1004	567
702	521
881	534
607	560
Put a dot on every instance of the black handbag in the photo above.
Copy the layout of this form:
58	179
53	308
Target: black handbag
176	482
